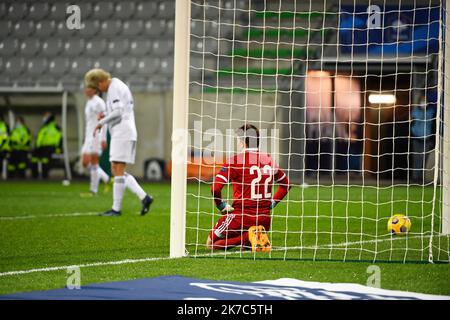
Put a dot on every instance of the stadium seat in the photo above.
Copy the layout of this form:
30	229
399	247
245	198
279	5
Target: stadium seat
170	28
162	82
79	66
73	47
17	10
197	11
29	47
124	10
5	81
6	28
197	63
154	28
58	11
213	28
51	47
242	4
58	66
140	47
132	28
146	10
211	13
118	47
25	80
95	47
36	67
229	12
47	81
111	28
38	11
106	63
89	28
198	28
147	66
209	28
103	10
8	46
125	66
63	31
86	9
71	83
166	9
14	66
162	47
45	28
211	45
23	29
195	73
3	10
166	66
138	83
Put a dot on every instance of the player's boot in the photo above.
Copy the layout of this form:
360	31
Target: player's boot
259	239
146	202
111	213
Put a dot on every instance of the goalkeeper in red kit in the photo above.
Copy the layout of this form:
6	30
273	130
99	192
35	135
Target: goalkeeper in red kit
252	174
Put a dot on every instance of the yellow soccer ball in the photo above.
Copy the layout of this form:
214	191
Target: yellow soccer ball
399	224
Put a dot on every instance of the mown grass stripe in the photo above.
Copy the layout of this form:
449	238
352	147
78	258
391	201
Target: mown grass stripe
211	254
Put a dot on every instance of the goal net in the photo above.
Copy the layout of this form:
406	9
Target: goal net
349	99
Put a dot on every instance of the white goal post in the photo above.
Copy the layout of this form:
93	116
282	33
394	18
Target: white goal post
446	127
298	70
180	127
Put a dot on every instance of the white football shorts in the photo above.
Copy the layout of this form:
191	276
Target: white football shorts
91	146
122	151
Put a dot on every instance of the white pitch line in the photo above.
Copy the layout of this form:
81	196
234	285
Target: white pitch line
75	214
94	264
130	261
345	244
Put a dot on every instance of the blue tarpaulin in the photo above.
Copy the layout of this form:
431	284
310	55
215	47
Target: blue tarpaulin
180	288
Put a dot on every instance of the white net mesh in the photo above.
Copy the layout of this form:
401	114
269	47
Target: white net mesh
348	96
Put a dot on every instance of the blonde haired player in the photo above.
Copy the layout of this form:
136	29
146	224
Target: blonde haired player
93	146
119	117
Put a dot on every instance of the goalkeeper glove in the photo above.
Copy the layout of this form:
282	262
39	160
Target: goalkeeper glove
225	207
273	204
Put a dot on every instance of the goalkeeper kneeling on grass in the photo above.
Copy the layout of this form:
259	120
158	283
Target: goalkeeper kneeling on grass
251	173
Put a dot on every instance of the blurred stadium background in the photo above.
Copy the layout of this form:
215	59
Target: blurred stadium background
41	58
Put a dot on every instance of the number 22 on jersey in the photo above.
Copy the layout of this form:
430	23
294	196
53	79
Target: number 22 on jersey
267	171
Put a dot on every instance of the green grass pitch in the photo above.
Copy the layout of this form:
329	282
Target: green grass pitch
46	225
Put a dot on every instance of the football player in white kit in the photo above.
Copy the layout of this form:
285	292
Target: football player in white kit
93	146
119	117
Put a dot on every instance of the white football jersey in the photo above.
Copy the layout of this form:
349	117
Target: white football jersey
94	106
119	97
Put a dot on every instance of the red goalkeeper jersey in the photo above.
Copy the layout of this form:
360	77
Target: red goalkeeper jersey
252	175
